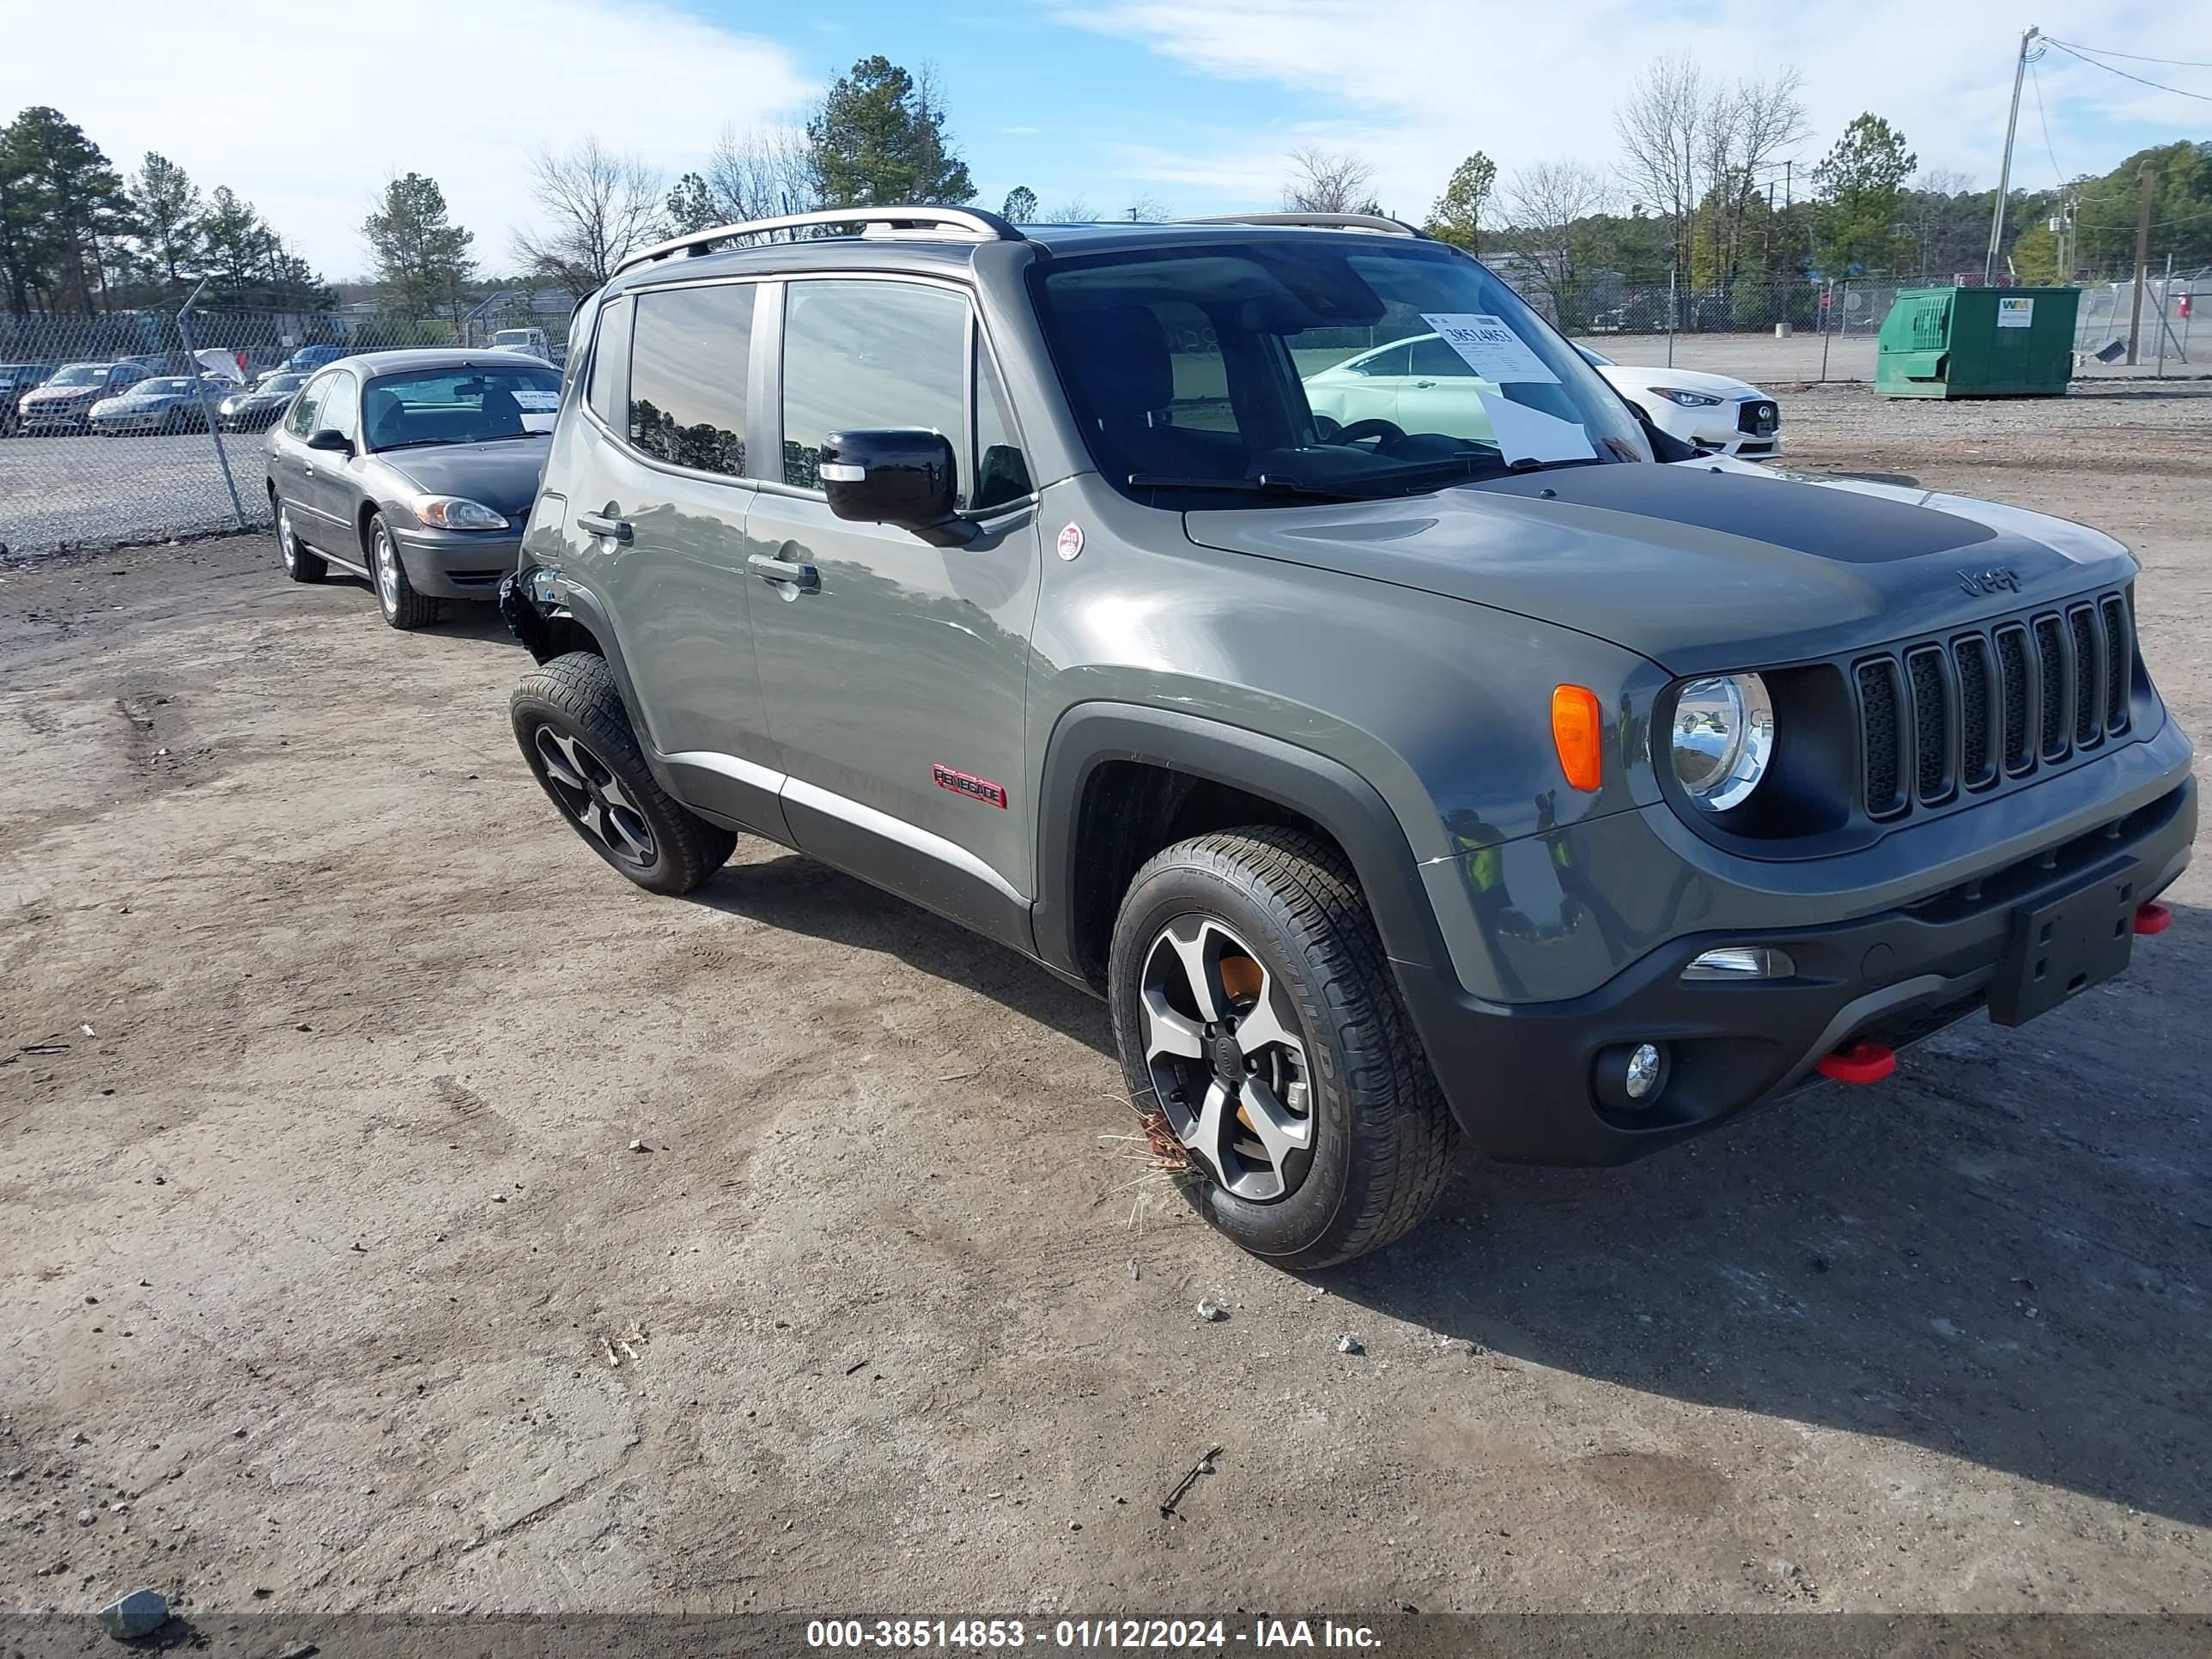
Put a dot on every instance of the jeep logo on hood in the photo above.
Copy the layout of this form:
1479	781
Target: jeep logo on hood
2000	578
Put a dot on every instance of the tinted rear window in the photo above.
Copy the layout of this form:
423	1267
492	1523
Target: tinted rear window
690	350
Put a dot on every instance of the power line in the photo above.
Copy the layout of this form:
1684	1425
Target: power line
2035	79
2157	86
2136	57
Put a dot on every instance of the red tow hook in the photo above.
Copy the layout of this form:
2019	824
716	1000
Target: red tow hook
2152	917
1858	1062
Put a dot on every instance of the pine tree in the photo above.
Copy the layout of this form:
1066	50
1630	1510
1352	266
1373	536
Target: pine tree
64	208
1862	186
1021	206
878	141
168	210
422	259
1457	216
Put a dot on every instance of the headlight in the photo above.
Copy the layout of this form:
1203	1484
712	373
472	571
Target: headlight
458	513
228	406
1687	400
1724	737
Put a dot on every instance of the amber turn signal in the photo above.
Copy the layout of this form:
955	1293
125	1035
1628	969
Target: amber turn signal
1578	733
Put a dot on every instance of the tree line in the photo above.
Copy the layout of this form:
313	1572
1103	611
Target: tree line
77	236
1707	187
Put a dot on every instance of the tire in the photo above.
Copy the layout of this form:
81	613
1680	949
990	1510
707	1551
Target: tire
1379	1144
403	607
575	734
300	564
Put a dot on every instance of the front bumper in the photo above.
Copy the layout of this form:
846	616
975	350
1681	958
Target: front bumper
1520	1077
43	417
458	564
108	426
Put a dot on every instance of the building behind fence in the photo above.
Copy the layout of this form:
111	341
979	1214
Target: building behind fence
64	492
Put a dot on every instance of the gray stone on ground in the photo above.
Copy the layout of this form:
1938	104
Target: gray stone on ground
139	1614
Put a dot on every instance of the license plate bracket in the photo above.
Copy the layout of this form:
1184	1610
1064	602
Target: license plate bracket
2065	944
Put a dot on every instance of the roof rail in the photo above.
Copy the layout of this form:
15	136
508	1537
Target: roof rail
1319	221
970	224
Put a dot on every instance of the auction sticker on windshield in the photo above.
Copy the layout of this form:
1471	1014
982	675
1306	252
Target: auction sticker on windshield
1491	349
530	397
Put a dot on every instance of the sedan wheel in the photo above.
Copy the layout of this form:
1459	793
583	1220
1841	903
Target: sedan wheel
402	606
300	564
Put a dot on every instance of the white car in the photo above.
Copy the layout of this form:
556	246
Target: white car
1720	415
1418	384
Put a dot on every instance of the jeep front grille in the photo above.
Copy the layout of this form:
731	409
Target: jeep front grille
1965	711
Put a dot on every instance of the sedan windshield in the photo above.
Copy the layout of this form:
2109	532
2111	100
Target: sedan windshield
1300	366
458	406
80	375
162	388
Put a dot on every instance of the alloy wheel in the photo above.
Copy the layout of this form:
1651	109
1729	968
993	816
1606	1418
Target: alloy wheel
593	797
1228	1065
386	557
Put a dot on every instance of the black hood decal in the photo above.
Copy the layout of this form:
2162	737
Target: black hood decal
1832	525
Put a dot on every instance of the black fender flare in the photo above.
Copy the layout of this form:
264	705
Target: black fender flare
536	601
1330	793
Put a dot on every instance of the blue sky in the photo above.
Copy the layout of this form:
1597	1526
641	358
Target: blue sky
1194	103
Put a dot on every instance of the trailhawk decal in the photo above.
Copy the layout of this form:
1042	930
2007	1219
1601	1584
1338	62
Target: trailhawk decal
966	783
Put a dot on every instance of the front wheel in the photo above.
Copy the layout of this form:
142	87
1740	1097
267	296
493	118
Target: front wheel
1255	1011
403	607
575	734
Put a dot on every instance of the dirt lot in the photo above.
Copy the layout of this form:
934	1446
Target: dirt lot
329	1272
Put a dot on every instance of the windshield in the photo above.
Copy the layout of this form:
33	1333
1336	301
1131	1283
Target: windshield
80	375
160	388
458	406
1307	366
281	383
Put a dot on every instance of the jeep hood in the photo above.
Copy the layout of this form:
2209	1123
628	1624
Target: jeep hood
1700	566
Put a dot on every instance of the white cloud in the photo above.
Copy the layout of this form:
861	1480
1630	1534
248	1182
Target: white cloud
1415	86
306	109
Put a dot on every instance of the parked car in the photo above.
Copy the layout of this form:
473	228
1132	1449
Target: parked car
16	380
252	411
64	402
309	358
414	468
1401	786
1715	414
166	403
533	341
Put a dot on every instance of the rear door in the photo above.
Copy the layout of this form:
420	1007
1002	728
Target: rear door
667	454
896	680
289	456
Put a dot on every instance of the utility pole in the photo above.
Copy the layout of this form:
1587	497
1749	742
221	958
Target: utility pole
2005	173
2142	260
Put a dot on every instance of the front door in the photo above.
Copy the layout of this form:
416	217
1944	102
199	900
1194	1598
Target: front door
288	461
328	486
896	675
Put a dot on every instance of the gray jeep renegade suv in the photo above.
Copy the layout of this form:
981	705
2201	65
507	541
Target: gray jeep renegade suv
1405	762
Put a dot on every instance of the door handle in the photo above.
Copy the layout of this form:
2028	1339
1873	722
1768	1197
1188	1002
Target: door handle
1423	385
785	573
592	524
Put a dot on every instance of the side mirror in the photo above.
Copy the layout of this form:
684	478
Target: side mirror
331	438
904	476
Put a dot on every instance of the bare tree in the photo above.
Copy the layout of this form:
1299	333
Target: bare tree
1073	211
1327	181
1662	141
598	206
1756	121
1540	206
767	173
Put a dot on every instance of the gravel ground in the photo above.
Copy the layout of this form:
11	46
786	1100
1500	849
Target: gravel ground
333	1280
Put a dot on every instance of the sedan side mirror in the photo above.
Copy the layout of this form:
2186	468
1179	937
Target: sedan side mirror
331	438
903	476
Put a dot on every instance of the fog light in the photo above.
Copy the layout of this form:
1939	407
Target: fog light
1643	1067
1743	962
1630	1075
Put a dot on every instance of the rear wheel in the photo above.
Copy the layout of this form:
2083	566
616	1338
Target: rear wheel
300	564
403	607
1253	1010
575	733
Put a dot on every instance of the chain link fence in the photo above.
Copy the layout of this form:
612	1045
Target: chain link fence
136	427
147	426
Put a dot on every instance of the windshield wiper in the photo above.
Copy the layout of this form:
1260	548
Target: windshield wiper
1528	464
416	443
500	437
1266	484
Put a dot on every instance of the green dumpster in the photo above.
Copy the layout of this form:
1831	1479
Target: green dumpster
1977	343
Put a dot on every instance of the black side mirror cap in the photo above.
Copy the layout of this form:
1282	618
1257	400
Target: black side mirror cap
331	438
903	476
